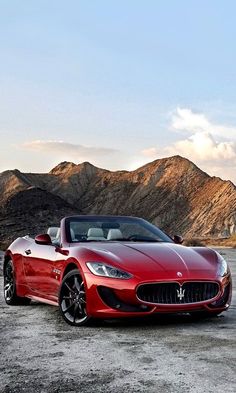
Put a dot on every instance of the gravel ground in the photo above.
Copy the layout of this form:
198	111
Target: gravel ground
41	353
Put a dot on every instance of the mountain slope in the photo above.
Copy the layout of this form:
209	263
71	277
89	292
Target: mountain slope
31	211
172	192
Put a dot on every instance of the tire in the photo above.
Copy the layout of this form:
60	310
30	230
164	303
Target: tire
10	294
72	299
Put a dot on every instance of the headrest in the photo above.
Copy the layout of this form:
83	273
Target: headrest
95	232
114	234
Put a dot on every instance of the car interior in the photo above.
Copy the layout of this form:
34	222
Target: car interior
92	234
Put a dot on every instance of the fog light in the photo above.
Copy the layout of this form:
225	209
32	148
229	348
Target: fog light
143	307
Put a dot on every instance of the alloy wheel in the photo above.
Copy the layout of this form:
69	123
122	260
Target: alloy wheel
9	282
73	299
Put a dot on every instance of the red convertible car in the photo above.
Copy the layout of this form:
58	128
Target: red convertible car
113	267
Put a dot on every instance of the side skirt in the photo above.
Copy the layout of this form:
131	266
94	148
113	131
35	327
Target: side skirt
43	300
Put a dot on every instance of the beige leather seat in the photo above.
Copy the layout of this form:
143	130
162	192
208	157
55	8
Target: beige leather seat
95	234
72	234
114	234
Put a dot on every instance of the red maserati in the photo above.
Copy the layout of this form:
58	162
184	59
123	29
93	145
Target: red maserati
113	267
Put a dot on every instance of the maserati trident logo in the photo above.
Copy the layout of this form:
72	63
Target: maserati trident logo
180	293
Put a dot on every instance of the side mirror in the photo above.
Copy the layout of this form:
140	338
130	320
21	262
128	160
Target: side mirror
178	239
43	239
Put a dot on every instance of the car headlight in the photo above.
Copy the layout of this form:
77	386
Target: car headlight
101	269
223	268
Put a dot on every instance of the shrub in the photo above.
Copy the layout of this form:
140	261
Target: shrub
193	243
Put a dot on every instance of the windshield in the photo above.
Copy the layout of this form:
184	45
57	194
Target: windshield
108	229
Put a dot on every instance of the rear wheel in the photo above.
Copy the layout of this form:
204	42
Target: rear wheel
10	294
72	299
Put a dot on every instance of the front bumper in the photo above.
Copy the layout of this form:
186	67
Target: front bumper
116	298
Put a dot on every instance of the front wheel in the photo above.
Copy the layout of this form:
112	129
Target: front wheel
72	299
10	294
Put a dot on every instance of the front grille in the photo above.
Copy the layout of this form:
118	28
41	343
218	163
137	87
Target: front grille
173	293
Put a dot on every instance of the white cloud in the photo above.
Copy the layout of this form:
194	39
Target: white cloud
150	152
184	119
203	147
61	147
217	157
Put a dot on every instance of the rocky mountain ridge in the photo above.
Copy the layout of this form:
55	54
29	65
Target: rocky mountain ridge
173	193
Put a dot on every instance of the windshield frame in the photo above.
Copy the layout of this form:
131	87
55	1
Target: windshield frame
144	223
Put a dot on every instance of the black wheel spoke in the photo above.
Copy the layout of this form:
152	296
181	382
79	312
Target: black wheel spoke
69	307
75	311
73	299
70	289
83	307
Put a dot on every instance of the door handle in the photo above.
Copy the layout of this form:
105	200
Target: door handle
27	252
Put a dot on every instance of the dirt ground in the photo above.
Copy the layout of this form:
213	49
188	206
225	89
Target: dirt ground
41	353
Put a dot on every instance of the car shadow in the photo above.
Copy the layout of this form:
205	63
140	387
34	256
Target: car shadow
167	320
147	321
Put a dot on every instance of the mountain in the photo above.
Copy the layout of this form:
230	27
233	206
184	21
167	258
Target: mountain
30	211
173	193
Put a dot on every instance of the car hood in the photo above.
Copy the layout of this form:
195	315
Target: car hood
157	260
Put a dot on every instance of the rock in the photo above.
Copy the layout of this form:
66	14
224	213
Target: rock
173	193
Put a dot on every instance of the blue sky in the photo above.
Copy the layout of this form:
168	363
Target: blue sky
118	83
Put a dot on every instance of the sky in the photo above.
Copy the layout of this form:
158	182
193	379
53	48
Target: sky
118	83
